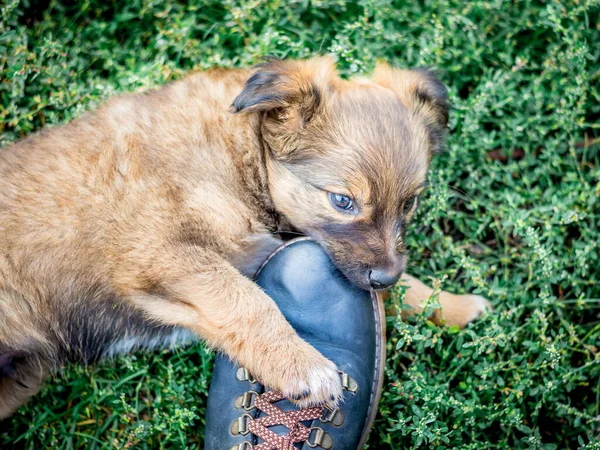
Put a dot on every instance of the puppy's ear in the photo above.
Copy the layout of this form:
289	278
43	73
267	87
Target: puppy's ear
420	91
287	91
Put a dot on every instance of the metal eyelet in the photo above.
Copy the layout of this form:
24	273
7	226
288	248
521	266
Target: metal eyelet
335	416
246	400
242	374
243	446
349	384
319	439
240	426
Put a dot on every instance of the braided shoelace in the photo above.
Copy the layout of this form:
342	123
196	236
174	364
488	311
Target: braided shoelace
314	436
275	416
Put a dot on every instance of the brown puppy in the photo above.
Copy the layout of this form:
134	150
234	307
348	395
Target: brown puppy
140	224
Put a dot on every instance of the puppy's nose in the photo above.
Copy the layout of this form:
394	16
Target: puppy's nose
383	278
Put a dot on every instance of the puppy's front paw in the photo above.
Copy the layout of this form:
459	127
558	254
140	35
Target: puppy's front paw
462	309
303	375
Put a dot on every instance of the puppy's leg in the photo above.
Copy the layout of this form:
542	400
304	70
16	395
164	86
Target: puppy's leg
211	298
21	377
456	309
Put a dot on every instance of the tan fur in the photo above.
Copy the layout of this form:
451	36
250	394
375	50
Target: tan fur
456	310
152	212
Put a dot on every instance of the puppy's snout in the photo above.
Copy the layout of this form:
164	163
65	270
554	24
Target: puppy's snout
382	278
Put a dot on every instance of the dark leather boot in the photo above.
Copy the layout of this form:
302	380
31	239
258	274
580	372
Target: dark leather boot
344	323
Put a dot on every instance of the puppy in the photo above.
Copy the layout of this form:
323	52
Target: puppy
141	224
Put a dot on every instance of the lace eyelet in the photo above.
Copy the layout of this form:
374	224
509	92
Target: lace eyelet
349	384
246	400
319	439
333	416
240	426
243	446
242	374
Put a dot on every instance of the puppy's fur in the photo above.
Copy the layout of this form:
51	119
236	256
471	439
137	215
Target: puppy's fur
140	225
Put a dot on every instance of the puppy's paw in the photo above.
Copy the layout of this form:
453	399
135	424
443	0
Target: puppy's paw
304	376
312	381
477	305
461	309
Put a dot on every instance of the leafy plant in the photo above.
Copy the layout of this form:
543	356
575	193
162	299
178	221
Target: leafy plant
511	211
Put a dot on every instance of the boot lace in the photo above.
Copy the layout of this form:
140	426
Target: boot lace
292	420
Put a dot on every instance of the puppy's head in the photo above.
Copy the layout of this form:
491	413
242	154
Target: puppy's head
346	160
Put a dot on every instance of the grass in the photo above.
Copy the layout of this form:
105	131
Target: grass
513	211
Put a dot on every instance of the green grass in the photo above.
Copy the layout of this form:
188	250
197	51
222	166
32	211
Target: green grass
513	211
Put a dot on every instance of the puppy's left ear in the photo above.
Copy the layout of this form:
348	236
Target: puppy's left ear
289	95
287	89
420	91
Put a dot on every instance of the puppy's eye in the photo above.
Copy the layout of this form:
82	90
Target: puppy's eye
409	204
341	202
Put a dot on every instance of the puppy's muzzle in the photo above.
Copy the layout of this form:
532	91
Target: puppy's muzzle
380	278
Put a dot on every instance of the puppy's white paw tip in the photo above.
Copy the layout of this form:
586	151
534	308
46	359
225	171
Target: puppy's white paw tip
481	305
